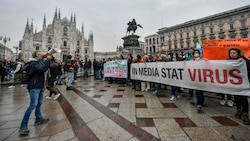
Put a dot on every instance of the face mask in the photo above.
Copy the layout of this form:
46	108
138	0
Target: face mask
196	55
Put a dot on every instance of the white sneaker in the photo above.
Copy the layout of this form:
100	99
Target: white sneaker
173	98
155	92
143	90
146	90
22	85
56	97
230	103
222	102
179	95
48	97
12	86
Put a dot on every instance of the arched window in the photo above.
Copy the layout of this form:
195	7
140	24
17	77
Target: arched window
49	48
65	31
37	47
78	43
65	43
86	51
49	40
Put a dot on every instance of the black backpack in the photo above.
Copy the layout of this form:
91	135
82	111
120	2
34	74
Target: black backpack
25	73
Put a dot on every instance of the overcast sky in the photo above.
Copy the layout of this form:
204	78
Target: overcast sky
107	18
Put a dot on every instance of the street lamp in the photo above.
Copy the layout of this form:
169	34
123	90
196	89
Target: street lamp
15	47
5	40
162	48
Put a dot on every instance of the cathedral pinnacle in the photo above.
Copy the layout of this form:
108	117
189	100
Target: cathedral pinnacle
59	15
55	17
44	21
74	18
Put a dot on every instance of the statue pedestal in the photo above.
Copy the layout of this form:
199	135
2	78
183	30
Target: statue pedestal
131	45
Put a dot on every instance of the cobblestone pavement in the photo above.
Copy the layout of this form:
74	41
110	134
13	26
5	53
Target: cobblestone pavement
96	110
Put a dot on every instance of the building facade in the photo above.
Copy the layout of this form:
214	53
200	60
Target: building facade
6	53
230	24
105	55
63	34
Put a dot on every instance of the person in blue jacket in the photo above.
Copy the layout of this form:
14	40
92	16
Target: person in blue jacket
38	66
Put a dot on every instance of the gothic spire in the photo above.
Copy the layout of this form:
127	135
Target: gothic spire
44	21
71	18
82	28
74	17
55	17
59	15
27	27
31	26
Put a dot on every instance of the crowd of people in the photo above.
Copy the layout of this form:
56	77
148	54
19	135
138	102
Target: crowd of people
47	70
229	100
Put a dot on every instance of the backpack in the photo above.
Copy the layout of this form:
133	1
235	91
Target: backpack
65	67
25	73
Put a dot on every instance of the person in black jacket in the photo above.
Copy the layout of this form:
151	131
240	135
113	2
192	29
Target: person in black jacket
51	76
38	67
241	102
59	73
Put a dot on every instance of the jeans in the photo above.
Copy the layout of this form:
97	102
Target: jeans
157	87
97	74
85	74
173	90
0	81
59	79
36	100
70	78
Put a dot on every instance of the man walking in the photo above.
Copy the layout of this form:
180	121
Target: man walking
38	67
17	73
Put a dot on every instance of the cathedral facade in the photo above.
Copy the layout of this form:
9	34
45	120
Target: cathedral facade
62	34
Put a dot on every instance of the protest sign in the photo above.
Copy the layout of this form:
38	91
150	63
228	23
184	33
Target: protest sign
220	76
218	49
117	69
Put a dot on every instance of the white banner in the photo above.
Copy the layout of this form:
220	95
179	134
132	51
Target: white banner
117	69
221	76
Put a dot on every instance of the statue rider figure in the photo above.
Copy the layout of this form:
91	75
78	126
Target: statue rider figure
132	26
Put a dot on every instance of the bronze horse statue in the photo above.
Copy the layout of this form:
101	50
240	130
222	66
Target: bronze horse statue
132	26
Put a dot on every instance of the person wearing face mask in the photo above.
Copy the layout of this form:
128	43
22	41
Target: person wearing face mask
189	57
199	93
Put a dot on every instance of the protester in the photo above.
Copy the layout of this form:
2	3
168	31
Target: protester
242	105
38	67
145	85
51	77
136	59
69	72
17	73
189	56
129	62
199	93
157	85
59	73
175	89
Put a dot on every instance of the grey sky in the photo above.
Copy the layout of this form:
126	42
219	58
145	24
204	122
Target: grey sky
107	18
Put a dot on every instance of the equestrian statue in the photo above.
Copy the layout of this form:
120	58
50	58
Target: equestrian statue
132	26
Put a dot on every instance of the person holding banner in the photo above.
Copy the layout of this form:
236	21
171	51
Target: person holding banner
136	59
145	85
240	101
199	93
157	85
129	62
189	56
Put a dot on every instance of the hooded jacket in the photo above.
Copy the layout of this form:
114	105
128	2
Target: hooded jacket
38	67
